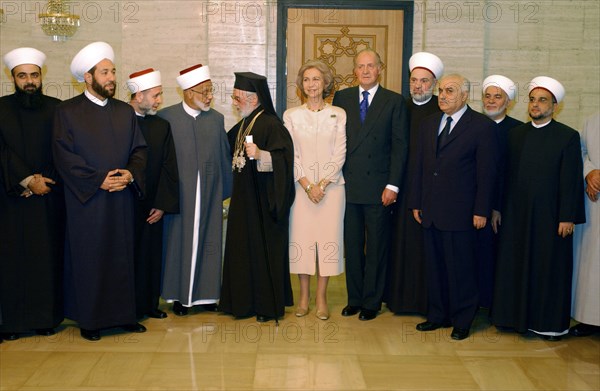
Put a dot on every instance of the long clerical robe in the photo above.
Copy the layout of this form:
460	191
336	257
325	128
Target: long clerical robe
586	273
31	229
256	279
544	186
89	141
162	192
486	246
193	238
406	287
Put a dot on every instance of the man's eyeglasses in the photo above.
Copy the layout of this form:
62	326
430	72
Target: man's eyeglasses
206	92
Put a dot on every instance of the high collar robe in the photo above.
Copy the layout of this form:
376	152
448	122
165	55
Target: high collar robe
31	229
89	141
543	186
193	238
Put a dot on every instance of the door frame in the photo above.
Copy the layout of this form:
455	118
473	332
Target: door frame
282	19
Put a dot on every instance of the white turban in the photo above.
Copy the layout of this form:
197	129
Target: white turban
193	76
21	56
550	84
428	61
502	82
89	56
143	80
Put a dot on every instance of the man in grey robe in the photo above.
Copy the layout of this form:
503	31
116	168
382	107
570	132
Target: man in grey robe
193	238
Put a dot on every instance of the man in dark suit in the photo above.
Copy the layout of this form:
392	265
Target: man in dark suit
451	195
377	144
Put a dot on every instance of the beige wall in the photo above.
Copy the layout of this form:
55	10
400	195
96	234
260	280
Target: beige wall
520	39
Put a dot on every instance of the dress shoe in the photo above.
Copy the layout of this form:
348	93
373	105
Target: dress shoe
263	318
350	310
583	330
459	334
90	335
157	314
366	314
134	328
45	332
551	338
212	307
10	336
430	326
300	312
322	314
179	309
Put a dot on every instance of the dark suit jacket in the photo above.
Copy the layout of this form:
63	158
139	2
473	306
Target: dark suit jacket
458	182
376	151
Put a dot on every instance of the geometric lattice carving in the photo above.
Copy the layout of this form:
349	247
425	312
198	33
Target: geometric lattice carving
336	45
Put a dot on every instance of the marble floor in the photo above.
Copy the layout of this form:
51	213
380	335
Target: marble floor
212	351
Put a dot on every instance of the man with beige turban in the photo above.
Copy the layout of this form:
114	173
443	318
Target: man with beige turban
100	153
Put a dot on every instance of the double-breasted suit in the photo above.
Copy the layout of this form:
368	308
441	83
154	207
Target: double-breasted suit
376	156
450	184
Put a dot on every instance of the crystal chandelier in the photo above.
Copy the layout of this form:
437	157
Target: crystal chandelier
57	22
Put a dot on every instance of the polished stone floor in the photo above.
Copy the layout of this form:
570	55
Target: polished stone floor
212	351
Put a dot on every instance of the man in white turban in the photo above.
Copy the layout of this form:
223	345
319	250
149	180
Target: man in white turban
543	200
193	238
100	153
497	95
162	190
31	204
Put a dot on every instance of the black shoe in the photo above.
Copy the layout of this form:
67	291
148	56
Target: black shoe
10	336
157	314
90	335
430	326
366	314
263	318
583	330
459	334
45	332
551	338
350	310
134	328
212	307
179	309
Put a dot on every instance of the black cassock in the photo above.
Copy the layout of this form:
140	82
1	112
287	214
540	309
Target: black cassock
247	288
31	229
162	192
89	141
406	289
543	186
486	246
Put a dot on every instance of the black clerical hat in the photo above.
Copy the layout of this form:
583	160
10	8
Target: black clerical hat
251	82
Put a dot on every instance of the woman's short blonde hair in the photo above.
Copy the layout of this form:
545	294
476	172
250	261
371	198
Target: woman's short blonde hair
325	72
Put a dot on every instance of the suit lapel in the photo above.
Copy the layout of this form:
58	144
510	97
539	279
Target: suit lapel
459	128
375	108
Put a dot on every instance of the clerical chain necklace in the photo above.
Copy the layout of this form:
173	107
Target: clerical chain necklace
239	160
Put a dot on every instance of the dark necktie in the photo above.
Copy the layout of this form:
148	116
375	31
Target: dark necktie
364	105
443	136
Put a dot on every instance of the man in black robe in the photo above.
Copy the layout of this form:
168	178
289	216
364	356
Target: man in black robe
406	287
543	200
256	278
31	204
162	191
497	94
100	154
